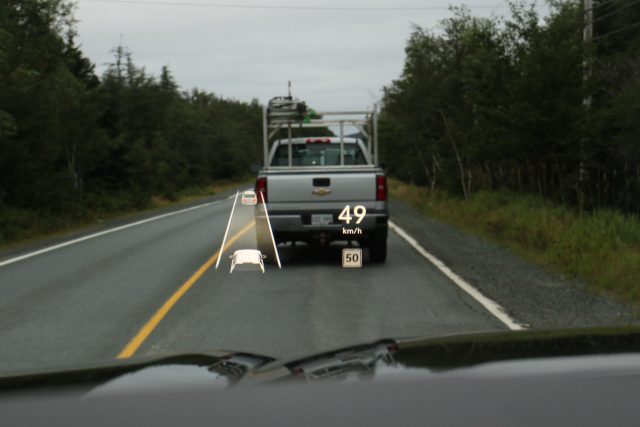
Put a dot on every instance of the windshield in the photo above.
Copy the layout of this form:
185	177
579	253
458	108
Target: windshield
490	177
318	154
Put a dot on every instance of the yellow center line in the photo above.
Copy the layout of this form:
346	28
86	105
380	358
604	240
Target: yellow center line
153	322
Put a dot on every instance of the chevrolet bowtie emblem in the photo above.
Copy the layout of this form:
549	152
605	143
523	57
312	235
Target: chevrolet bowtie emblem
321	191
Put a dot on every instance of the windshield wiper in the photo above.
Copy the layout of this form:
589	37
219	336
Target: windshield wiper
237	365
338	365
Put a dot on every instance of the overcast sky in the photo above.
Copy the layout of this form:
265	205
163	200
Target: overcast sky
336	59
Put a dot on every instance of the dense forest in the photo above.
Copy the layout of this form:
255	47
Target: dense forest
522	103
74	144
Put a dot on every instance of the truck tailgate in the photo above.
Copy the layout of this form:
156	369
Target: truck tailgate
322	186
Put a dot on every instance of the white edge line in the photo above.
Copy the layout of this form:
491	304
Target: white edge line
102	233
491	306
224	239
273	240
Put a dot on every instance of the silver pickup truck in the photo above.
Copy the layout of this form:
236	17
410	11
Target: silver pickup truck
323	189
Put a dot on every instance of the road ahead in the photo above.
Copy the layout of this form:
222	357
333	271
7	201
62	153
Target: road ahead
152	288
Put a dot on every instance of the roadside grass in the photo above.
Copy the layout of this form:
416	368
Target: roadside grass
22	226
195	193
601	249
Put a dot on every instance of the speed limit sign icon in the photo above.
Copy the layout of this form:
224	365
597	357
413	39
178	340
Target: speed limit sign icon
352	257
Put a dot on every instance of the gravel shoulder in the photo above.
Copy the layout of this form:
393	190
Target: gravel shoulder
530	294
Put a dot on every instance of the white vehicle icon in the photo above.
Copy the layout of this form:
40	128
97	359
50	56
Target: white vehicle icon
247	259
249	198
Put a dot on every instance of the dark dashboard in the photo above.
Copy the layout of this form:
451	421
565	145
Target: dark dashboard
584	377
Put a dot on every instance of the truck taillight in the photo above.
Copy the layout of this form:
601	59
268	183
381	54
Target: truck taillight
261	187
381	187
318	141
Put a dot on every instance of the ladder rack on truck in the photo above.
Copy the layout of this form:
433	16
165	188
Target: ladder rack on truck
288	112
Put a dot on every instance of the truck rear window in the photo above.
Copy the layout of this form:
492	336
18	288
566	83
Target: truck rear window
318	155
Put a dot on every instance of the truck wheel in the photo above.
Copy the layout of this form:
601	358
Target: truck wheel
265	248
378	252
263	242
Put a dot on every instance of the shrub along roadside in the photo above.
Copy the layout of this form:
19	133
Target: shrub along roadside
19	226
601	248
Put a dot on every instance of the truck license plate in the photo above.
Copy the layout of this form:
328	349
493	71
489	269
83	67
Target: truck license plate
321	219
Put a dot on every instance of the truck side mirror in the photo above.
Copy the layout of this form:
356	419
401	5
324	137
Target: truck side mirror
254	168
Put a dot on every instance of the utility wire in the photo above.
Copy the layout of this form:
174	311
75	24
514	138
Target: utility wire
286	7
619	30
599	5
618	10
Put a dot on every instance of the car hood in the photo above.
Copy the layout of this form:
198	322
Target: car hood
558	354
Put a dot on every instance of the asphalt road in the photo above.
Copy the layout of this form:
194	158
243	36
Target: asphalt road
153	288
